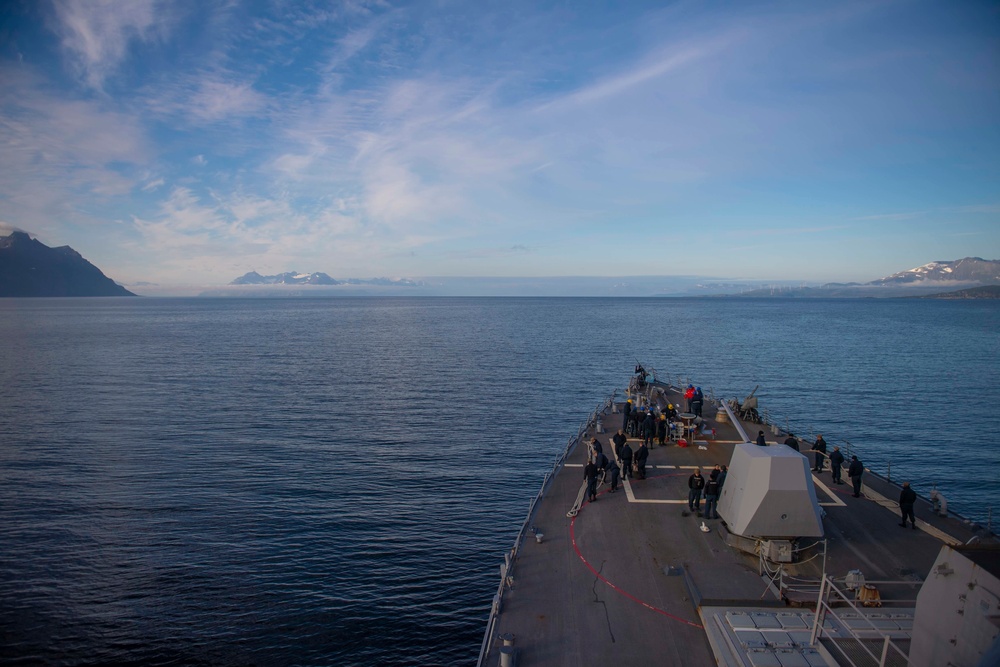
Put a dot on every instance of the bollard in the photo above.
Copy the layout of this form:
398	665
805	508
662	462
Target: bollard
506	656
538	537
600	426
508	638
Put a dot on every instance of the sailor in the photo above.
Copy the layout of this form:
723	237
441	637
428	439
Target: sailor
617	440
689	396
626	411
612	468
596	445
695	484
906	499
836	461
601	461
792	442
712	495
697	401
641	455
671	412
723	471
625	454
760	439
590	474
648	429
661	430
820	449
855	471
633	423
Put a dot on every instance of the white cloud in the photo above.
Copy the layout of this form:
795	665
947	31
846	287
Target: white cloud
207	97
659	64
97	33
58	152
153	185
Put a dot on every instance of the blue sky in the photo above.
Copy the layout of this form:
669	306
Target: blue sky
186	143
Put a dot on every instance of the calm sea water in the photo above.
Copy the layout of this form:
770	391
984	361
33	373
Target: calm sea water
334	481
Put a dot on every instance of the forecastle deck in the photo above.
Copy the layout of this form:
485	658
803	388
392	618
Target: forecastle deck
633	579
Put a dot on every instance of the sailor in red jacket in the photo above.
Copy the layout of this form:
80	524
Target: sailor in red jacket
689	396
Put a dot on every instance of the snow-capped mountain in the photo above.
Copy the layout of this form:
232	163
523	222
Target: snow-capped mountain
288	278
296	278
971	270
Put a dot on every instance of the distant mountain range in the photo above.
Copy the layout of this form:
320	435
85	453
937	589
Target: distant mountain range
984	292
295	278
31	268
962	277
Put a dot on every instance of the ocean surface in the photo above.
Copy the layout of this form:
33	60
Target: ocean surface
334	481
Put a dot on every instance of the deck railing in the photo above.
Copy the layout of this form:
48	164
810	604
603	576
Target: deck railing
831	596
879	466
510	558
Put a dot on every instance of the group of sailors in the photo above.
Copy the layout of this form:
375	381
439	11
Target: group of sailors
650	424
626	463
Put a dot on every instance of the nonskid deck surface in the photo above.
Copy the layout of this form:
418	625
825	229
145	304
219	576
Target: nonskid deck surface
633	579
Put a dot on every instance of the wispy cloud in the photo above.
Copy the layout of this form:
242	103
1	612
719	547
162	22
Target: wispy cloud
891	216
792	231
316	136
980	208
206	98
60	154
663	61
96	34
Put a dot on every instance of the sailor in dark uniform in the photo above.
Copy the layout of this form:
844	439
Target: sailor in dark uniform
820	449
641	455
855	471
907	497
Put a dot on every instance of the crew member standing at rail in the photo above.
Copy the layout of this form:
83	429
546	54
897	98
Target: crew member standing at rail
855	471
626	413
760	439
836	462
820	449
906	499
792	442
689	396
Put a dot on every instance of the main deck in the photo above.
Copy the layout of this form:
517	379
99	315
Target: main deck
632	578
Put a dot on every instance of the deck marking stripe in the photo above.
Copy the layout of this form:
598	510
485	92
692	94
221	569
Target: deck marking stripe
921	524
576	547
837	502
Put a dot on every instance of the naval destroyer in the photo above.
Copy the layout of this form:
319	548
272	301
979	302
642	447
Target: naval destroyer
795	571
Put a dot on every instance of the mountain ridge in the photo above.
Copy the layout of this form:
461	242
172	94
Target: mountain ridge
29	268
317	278
936	277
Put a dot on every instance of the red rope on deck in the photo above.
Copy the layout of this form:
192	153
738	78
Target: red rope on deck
572	537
